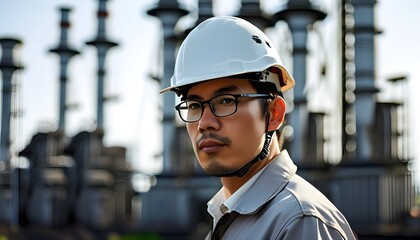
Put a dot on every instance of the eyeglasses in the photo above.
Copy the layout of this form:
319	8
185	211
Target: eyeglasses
221	106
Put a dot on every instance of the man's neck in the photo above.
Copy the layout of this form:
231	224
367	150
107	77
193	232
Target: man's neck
232	184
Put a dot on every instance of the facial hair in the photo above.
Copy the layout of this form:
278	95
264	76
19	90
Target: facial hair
215	167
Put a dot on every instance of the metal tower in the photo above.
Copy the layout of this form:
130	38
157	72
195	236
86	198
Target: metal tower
8	65
169	12
364	58
103	44
299	14
65	52
251	11
205	10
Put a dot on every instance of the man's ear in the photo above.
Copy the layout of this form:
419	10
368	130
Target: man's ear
277	109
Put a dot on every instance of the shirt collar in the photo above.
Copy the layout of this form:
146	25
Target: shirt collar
236	196
219	205
256	191
276	176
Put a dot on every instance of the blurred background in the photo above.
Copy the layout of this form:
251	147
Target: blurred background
89	147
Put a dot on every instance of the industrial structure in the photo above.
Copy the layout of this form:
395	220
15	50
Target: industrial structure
73	185
83	188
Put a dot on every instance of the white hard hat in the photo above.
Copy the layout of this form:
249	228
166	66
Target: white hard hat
227	46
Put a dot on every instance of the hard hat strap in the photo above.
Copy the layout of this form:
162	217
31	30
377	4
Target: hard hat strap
263	154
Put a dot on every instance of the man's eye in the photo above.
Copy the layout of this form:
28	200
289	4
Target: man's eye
227	100
194	106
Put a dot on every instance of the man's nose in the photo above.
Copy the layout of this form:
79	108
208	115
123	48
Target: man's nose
208	119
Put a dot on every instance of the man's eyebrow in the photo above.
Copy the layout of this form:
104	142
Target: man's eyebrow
227	89
219	91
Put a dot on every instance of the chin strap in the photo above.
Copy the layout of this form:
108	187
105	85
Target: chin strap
263	154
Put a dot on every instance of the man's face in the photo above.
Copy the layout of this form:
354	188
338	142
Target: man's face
224	144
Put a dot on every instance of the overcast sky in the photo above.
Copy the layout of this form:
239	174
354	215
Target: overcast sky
131	119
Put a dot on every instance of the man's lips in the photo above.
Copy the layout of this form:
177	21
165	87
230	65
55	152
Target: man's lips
210	145
211	142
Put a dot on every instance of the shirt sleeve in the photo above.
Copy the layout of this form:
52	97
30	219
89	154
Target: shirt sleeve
310	227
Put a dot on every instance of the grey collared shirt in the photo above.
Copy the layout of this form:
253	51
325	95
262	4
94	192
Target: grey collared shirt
220	205
282	205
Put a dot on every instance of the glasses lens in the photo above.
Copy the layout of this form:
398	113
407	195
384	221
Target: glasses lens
223	105
190	111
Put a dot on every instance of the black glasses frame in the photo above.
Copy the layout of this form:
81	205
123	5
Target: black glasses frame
235	96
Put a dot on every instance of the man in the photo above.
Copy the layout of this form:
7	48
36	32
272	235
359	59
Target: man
230	79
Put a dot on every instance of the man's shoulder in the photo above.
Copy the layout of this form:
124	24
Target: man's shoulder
301	199
307	196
